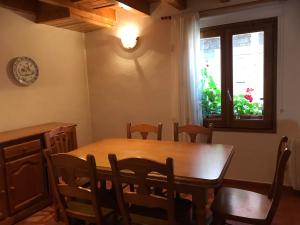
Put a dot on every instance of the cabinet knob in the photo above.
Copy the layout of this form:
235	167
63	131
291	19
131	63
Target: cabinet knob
2	192
12	188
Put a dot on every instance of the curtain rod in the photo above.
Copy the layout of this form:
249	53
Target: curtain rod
230	8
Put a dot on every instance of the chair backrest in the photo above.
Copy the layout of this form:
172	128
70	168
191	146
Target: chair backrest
64	171
276	188
193	130
61	140
140	170
144	130
281	147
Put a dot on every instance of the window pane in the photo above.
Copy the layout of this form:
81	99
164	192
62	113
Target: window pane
248	75
211	76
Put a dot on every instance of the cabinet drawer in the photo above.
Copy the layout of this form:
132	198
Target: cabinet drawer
22	149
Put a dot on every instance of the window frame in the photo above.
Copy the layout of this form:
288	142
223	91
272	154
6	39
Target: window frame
227	122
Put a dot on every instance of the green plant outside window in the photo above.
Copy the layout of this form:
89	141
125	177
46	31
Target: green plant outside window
211	100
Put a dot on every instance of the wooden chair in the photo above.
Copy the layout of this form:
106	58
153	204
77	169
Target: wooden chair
141	206
144	130
61	140
251	207
193	131
89	204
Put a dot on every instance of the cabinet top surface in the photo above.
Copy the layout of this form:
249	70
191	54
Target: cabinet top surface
30	131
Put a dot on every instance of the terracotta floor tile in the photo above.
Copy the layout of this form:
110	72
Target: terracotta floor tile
288	212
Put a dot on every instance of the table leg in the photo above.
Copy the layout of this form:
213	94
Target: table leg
199	199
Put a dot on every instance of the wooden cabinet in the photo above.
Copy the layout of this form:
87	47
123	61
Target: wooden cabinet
3	199
25	182
24	187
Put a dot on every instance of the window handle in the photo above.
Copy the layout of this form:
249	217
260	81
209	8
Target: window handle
229	95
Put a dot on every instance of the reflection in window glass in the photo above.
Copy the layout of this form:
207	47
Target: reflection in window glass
211	76
248	75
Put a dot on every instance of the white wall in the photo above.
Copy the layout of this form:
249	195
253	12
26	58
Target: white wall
138	86
128	86
61	92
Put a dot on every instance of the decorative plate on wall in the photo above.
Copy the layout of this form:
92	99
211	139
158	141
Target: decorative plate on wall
25	70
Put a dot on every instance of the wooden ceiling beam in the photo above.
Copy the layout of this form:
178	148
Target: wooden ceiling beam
27	6
105	17
139	5
178	4
47	13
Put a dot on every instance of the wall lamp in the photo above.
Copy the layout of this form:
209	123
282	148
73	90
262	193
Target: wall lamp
129	36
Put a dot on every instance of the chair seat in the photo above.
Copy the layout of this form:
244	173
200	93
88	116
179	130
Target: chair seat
107	201
83	182
246	206
183	213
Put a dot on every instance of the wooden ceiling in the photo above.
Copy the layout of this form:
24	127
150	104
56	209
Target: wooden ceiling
81	15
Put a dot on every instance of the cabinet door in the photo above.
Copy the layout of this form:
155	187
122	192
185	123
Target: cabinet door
25	181
3	199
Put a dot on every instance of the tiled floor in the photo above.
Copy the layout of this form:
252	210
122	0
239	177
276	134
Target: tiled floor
288	212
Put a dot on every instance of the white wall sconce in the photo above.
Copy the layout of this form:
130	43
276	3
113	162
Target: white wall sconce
129	36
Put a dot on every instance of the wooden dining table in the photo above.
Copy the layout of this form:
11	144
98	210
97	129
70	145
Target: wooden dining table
197	166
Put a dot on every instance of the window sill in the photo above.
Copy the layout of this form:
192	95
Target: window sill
246	130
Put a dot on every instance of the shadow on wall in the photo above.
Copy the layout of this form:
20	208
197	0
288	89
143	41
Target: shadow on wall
289	128
255	153
25	14
131	54
140	50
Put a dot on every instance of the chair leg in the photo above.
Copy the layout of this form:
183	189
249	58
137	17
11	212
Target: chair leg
56	211
56	215
103	185
66	218
210	195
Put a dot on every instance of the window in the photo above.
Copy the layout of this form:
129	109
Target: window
238	66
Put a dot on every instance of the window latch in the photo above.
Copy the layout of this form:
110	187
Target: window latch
229	95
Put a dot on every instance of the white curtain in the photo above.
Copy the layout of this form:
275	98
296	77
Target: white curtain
186	69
